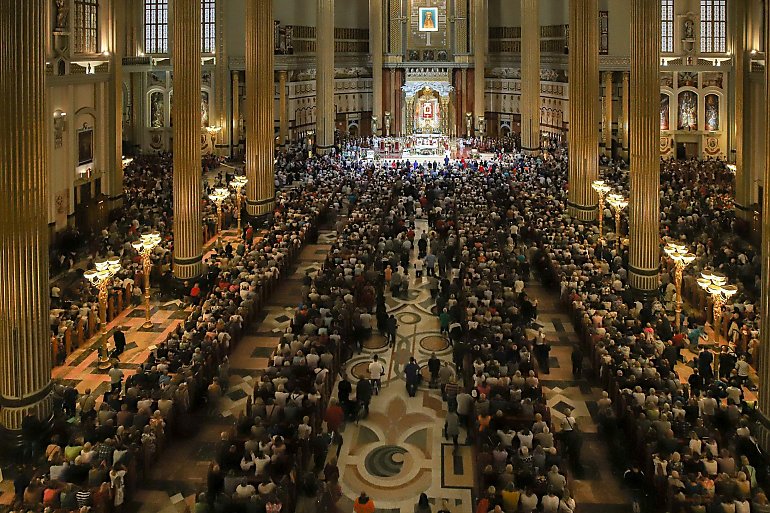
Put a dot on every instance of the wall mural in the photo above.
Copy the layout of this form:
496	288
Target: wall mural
427	27
665	109
688	111
85	146
156	110
712	112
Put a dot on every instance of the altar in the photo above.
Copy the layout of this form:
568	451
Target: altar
428	108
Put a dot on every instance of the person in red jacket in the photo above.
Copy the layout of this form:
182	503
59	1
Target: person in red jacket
334	417
363	504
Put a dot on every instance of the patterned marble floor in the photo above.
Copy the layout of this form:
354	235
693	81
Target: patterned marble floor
398	451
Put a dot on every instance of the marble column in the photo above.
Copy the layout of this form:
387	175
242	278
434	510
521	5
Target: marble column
221	85
283	119
743	182
584	107
235	136
186	58
260	115
764	329
25	350
115	106
530	75
607	122
625	113
481	28
325	114
644	202
375	48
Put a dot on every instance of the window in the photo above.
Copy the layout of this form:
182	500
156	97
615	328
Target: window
156	26
667	26
713	26
85	26
208	26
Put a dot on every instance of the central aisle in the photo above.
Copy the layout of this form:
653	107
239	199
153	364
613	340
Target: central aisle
398	451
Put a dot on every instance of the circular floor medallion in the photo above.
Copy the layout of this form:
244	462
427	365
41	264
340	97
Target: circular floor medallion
376	341
434	343
408	318
385	461
361	370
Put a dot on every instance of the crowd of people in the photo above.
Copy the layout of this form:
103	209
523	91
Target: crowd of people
491	223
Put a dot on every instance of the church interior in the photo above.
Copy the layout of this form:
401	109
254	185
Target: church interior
384	256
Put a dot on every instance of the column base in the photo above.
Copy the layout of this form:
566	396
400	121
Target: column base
324	150
581	212
760	428
11	417
742	212
644	283
532	152
188	268
260	208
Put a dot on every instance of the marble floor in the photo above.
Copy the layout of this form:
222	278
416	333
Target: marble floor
398	450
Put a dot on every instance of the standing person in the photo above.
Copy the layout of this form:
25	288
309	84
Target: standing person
392	330
577	361
434	366
363	504
542	348
423	504
412	375
452	426
119	338
364	394
376	370
334	418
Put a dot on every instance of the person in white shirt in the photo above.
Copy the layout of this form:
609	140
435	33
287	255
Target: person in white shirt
376	370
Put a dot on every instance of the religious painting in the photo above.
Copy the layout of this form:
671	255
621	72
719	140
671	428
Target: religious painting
414	55
688	111
85	146
156	110
204	108
428	55
712	79
712	112
687	78
667	79
665	102
428	19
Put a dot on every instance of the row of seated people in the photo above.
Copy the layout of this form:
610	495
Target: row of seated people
289	400
648	401
518	457
696	209
101	446
148	205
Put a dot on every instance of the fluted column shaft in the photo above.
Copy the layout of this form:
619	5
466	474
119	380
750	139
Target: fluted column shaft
260	116
625	112
584	107
375	48
235	136
222	85
479	58
530	75
607	122
25	351
764	329
743	193
186	57
325	114
283	118
115	96
644	203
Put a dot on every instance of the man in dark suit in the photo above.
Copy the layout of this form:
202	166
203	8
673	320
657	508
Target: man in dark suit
120	343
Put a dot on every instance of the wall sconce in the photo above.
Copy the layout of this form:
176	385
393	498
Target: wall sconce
59	127
482	125
469	123
387	124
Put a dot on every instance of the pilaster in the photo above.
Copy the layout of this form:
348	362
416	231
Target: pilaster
325	114
530	75
375	46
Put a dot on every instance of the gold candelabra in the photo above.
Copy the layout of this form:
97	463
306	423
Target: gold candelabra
144	246
619	203
682	258
219	195
601	189
715	284
101	277
238	183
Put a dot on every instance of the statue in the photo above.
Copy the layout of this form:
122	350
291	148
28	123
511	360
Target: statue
689	29
62	14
